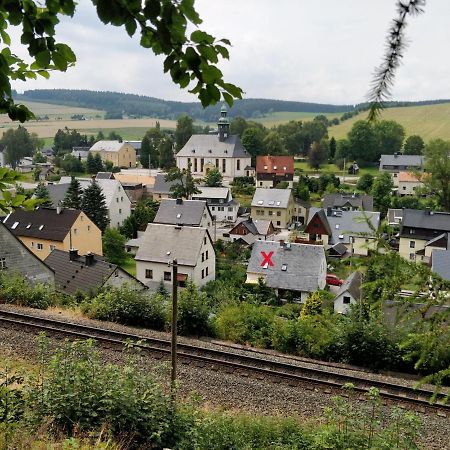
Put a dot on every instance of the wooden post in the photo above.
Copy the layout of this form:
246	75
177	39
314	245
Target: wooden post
173	376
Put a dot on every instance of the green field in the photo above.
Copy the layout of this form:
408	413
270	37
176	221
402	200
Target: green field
430	121
60	112
277	118
331	168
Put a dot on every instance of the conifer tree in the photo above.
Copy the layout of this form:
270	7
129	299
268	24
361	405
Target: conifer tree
90	164
93	204
41	193
98	163
73	195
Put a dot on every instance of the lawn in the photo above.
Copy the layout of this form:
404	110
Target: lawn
130	265
244	200
331	168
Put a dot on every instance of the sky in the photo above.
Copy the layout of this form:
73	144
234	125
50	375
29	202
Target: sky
321	51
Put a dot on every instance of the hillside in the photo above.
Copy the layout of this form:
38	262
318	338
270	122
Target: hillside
429	121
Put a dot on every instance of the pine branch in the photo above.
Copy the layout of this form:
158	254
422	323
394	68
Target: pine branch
384	76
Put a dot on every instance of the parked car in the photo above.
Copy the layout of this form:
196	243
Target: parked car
333	280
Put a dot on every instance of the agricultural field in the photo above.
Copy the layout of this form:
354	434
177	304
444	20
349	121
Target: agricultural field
430	121
278	118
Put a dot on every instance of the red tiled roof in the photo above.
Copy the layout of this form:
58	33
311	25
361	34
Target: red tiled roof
275	164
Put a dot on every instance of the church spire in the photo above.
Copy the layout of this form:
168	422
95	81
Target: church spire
223	124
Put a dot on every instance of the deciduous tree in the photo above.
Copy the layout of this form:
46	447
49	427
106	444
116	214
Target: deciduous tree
414	145
16	144
185	186
382	192
114	246
213	178
183	131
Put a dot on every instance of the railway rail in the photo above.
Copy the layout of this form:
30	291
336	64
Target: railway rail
323	377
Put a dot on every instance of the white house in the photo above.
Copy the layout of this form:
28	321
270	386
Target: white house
222	151
349	293
220	202
408	183
299	268
161	244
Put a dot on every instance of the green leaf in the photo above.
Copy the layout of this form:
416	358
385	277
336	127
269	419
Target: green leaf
44	74
187	7
223	51
5	37
228	98
59	61
130	26
43	59
66	52
200	37
211	74
235	91
205	98
214	92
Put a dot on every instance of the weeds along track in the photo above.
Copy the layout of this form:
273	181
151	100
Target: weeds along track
325	377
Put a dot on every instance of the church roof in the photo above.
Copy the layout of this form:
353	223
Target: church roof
209	146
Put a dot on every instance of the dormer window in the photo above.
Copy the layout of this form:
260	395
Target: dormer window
284	267
179	216
41	227
278	203
193	150
260	202
209	151
275	167
265	167
14	225
28	226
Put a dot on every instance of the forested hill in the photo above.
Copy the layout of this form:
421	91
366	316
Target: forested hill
140	105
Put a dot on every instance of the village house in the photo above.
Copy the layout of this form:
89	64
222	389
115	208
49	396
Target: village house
349	293
348	202
119	153
423	231
353	229
116	199
301	211
399	163
220	202
191	247
440	263
276	205
394	217
223	151
271	170
80	152
162	189
288	267
408	183
86	274
16	258
248	231
46	229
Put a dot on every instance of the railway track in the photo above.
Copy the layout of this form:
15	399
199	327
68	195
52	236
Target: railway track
325	378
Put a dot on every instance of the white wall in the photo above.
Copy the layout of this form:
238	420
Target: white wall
119	208
223	213
231	164
339	306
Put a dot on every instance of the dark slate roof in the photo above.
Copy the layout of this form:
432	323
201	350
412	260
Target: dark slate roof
443	240
431	220
57	192
440	263
339	248
352	285
208	145
303	265
44	223
188	212
402	160
339	200
163	243
343	224
162	186
104	176
73	276
303	203
255	227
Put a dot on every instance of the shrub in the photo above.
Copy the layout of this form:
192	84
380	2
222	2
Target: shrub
127	306
193	312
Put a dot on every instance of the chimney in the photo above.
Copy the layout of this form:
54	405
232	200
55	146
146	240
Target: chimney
73	254
329	211
58	209
89	259
179	201
428	211
250	220
281	243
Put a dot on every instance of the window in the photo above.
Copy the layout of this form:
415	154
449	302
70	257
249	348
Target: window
213	208
204	240
206	272
284	267
278	213
203	257
120	211
167	276
224	165
149	273
404	188
203	274
346	300
40	246
81	216
2	263
206	254
278	223
412	244
220	208
260	183
121	199
270	213
202	163
411	231
230	217
217	163
195	165
412	256
32	244
51	247
238	164
230	209
75	231
89	228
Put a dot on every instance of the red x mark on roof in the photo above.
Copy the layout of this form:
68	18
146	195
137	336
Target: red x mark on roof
266	259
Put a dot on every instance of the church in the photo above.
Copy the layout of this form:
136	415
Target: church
222	150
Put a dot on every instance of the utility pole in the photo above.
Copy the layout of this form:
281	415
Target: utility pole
173	375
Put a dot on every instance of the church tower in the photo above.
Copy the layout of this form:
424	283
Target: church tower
223	124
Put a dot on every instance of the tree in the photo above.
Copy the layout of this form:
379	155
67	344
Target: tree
317	155
252	139
273	144
293	136
414	145
143	214
183	131
213	178
382	192
238	125
363	142
71	164
94	206
365	182
437	166
66	139
150	147
186	186
97	163
312	305
73	195
114	246
41	193
166	156
38	157
332	148
301	191
163	28
390	136
16	143
90	163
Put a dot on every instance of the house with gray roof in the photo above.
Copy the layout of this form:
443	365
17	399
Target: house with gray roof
161	244
203	152
440	263
398	162
349	293
298	268
276	205
421	232
348	202
162	189
86	274
354	229
248	231
220	202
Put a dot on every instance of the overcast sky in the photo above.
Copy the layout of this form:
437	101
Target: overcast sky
305	50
